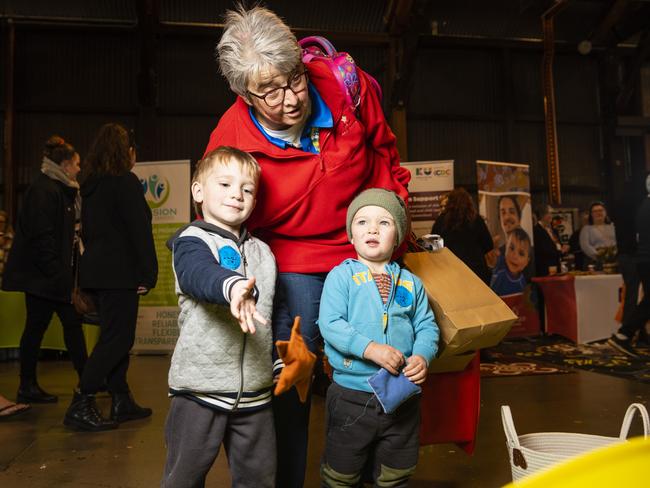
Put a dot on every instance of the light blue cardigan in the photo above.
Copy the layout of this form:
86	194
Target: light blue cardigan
352	315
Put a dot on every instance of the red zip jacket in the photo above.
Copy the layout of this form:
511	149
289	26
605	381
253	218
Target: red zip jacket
303	197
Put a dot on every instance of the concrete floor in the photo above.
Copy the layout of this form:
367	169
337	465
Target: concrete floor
36	451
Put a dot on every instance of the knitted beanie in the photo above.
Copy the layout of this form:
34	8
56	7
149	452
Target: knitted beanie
385	199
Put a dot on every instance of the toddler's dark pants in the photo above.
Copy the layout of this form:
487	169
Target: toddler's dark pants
359	430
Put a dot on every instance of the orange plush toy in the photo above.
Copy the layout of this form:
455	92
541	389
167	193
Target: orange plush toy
298	363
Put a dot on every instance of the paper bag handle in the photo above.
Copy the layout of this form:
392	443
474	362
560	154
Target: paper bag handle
509	427
629	416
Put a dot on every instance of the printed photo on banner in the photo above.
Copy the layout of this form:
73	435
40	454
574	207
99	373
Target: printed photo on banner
430	182
166	187
504	202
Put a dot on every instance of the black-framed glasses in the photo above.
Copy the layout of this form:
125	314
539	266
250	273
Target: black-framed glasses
297	84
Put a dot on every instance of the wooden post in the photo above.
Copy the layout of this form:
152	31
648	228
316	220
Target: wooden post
550	122
7	142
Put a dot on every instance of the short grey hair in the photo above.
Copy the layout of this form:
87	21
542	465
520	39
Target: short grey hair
252	41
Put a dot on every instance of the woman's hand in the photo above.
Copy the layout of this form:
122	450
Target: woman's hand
142	290
385	356
416	369
242	305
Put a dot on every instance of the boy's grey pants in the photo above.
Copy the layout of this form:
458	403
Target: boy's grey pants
194	433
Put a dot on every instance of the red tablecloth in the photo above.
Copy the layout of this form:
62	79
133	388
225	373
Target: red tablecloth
560	299
450	407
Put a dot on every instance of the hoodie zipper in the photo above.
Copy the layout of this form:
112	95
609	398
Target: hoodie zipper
391	297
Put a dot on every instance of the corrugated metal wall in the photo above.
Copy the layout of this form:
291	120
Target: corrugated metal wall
457	110
464	103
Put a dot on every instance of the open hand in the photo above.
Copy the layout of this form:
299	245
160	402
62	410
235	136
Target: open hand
385	356
242	305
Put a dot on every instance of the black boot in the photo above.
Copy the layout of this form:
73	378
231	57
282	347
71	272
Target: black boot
30	392
83	414
124	408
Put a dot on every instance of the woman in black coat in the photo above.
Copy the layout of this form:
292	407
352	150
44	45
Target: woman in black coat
41	263
465	232
118	264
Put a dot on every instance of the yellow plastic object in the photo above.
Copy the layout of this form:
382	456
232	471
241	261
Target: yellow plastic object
625	465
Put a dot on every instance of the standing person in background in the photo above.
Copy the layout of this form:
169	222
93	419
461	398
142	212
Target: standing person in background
41	263
465	232
118	264
624	213
635	322
548	248
317	153
597	234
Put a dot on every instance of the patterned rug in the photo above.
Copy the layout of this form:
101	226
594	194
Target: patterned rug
545	353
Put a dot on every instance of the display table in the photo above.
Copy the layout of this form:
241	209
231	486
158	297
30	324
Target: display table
12	323
581	308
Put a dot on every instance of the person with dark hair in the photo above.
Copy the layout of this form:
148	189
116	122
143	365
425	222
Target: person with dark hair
635	322
465	232
548	248
598	234
42	260
117	265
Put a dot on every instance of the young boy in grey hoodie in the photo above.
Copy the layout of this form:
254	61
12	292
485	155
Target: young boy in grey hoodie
220	378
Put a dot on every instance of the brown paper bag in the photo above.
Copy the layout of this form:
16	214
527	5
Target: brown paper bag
470	315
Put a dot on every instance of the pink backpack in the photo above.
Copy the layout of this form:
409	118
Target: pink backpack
341	64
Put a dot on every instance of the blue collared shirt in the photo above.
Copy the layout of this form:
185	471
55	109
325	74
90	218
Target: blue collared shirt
320	118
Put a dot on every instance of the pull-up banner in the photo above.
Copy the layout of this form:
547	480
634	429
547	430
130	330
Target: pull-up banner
166	187
504	202
429	185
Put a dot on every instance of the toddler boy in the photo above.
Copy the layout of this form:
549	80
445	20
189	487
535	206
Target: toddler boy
220	377
373	314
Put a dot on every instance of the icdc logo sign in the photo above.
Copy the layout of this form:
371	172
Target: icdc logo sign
428	171
156	190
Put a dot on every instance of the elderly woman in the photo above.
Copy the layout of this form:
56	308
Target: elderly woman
317	153
41	263
598	234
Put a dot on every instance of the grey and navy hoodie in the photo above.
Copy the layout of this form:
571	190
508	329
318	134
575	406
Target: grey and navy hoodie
214	362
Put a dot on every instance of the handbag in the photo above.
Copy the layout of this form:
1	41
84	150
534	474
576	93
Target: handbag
530	453
83	303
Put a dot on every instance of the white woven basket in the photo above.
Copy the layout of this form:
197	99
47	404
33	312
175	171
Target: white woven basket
530	453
